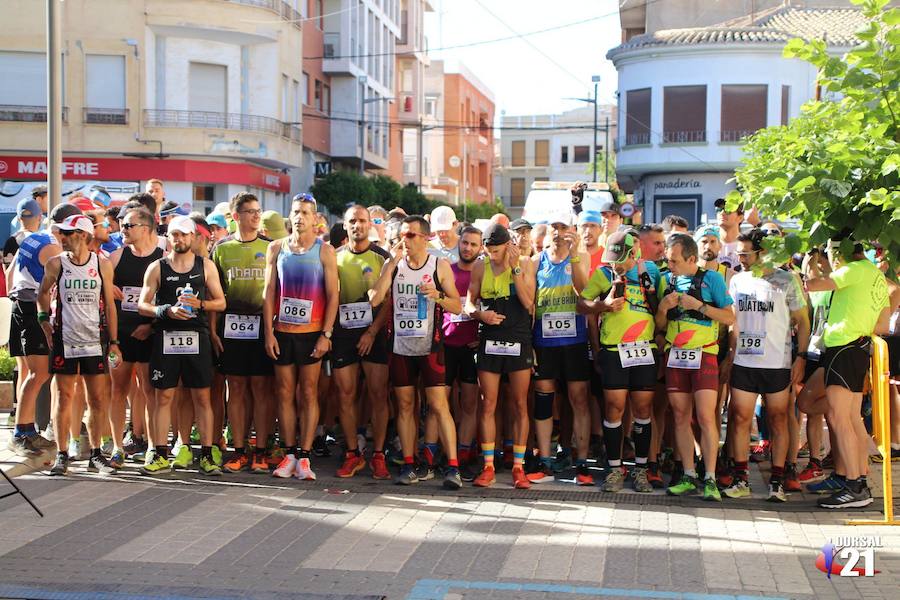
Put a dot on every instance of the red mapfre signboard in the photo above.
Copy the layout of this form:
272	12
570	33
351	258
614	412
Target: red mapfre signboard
138	169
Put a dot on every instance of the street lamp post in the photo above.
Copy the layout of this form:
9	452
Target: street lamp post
596	80
362	125
54	105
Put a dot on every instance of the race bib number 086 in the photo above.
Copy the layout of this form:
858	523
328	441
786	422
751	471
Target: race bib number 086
295	311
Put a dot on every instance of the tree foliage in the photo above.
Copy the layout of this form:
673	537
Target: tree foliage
836	167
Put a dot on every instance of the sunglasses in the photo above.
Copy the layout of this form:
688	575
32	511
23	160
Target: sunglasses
770	232
129	226
412	234
377	220
104	223
66	233
252	211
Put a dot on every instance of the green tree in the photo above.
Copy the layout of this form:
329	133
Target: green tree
836	167
600	158
387	191
340	188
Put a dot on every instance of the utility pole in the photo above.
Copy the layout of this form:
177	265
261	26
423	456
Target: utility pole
596	80
419	154
606	148
54	105
362	126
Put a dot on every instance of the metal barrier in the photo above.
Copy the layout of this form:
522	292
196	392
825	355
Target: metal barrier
881	427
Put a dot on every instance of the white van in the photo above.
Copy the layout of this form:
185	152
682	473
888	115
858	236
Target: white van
548	198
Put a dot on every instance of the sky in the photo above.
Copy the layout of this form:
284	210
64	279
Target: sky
534	74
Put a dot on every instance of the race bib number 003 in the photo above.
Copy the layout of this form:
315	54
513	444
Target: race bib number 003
131	294
682	358
181	342
751	344
502	348
558	325
355	315
295	311
635	354
242	327
410	326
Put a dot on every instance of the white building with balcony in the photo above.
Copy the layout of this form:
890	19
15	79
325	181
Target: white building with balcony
688	97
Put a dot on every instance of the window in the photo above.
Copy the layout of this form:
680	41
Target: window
326	102
29	71
208	87
298	102
564	154
581	154
317	13
518	154
104	95
482	174
684	114
637	118
542	153
285	98
304	91
517	191
431	106
318	103
743	110
406	77
785	103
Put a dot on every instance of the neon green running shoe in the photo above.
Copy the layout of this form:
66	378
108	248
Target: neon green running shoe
217	455
158	466
184	458
208	467
711	490
686	486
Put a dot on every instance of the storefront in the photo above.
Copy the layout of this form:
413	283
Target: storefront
689	195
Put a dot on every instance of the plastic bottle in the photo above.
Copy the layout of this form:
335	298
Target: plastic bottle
187	291
113	360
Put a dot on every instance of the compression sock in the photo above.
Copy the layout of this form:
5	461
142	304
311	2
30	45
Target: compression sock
518	456
487	452
641	432
301	453
612	435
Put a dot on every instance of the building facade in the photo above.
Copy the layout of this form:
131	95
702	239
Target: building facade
202	95
554	147
315	99
689	97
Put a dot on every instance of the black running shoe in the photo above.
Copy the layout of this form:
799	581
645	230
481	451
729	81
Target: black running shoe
847	498
320	447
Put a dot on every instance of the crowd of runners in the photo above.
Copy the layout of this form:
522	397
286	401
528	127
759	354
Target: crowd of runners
573	349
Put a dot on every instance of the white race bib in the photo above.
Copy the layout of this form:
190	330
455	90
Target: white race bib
82	351
295	311
682	358
131	296
181	342
241	327
635	354
406	325
355	315
502	348
558	325
751	344
463	317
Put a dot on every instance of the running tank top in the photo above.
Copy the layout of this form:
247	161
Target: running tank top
415	316
79	311
29	272
498	293
556	322
301	279
128	276
460	330
171	283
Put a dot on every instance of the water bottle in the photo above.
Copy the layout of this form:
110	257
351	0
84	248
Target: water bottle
113	360
421	304
620	287
187	291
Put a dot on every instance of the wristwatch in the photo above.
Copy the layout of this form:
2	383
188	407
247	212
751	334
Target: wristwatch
517	271
703	308
327	334
441	296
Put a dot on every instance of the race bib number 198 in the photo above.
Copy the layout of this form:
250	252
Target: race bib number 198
751	344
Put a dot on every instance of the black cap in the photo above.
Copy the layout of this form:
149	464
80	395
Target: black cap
720	205
520	224
63	211
495	234
608	206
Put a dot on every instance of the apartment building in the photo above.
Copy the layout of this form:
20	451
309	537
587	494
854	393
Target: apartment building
689	96
315	98
551	147
203	94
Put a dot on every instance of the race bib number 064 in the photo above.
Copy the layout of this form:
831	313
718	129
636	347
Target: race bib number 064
242	327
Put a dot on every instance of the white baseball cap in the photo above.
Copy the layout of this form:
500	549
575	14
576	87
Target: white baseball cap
77	223
182	224
442	218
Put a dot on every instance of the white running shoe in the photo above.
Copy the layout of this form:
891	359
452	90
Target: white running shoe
304	470
286	467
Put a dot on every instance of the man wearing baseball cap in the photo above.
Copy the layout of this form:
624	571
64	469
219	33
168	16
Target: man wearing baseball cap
521	236
590	227
218	226
78	335
444	224
28	214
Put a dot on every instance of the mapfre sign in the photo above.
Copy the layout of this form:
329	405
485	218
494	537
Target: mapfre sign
141	169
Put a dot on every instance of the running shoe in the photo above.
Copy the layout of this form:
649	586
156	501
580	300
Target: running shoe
157	466
724	476
760	452
195	435
407	475
776	492
60	466
424	472
259	464
361	443
183	458
879	459
804	451
828	461
237	463
217	455
22	446
452	480
543	475
320	447
738	489
106	446
275	456
520	482
148	457
99	464
353	464
487	478
583	476
208	466
40	442
117	460
129	442
287	467
812	473
711	490
562	462
846	498
640	481
74	449
378	464
466	473
831	484
304	470
791	479
686	486
136	446
614	481
654	476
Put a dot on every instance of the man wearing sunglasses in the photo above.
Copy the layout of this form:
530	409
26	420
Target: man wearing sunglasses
730	225
420	287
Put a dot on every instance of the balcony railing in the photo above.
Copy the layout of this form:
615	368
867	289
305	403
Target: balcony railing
28	114
291	132
105	116
332	45
212	120
684	137
279	7
735	135
637	139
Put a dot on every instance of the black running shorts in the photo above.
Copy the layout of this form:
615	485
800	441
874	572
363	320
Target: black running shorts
189	370
344	352
638	378
565	363
459	363
296	348
760	381
26	338
847	365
